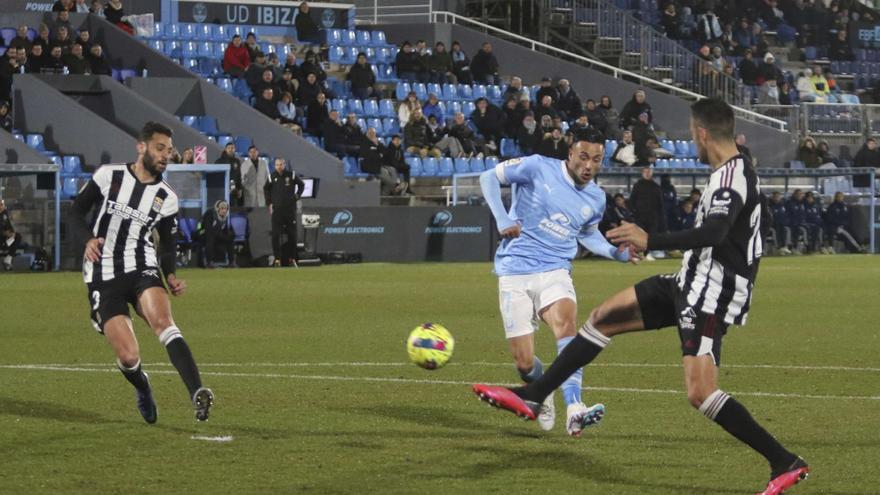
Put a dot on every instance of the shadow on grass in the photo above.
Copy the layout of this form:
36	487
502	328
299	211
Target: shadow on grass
50	410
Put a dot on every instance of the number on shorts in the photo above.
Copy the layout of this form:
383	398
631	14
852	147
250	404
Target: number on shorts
96	299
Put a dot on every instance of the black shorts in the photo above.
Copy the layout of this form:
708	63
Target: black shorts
663	305
112	297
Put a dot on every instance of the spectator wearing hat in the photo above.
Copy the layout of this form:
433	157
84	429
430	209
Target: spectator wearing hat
767	70
362	78
236	58
306	28
217	235
288	83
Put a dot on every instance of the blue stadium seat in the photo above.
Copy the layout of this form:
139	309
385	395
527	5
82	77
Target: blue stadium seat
378	38
490	163
363	38
509	148
69	187
158	45
403	89
349	38
681	149
668	145
386	108
692	149
225	84
350	165
206	49
208	125
371	108
72	164
313	140
431	168
465	92
19	136
661	163
494	93
467	108
188	32
421	91
477	165
383	56
188	226
356	106
333	36
57	161
452	108
172	31
204	32
336	54
362	123
415	166
242	143
610	147
479	91
191	64
461	165
158	31
224	139
173	48
219	34
339	104
450	92
35	141
446	168
375	123
391	126
435	89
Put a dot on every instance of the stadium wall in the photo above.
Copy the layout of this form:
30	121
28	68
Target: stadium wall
14	151
770	146
189	97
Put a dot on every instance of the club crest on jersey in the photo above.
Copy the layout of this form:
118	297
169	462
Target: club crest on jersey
157	204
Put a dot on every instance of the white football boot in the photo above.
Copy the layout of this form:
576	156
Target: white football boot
547	415
580	416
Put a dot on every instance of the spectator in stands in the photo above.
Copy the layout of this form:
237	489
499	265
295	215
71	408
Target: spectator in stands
408	63
432	107
767	70
394	157
421	49
781	230
362	78
820	84
484	66
316	113
312	64
216	232
35	60
236	58
333	131
287	110
288	83
84	39
353	132
306	29
274	65
308	90
832	85
489	121
373	162
417	136
840	48
62	20
267	80
785	94
546	108
633	108
808	153
54	62
188	157
642	131
43	38
254	174
568	103
468	141
671	23
98	62
461	64
771	14
21	57
291	65
768	93
529	136
554	145
236	193
81	7
440	67
825	155
717	60
705	53
625	153
5	117
406	108
708	27
610	114
254	73
75	62
250	43
10	244
806	88
97	8
646	202
813	223
748	71
513	116
596	116
441	139
837	224
62	39
62	6
868	155
582	124
794	207
744	37
514	89
21	39
618	213
546	89
113	13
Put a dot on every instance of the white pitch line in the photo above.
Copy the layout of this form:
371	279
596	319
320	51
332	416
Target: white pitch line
487	364
431	382
224	438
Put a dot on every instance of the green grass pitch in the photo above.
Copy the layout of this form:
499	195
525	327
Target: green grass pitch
314	388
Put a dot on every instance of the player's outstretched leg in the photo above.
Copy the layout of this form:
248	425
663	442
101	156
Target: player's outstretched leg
156	310
547	414
701	375
120	336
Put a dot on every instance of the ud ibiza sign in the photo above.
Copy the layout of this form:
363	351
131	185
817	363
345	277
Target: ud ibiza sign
261	13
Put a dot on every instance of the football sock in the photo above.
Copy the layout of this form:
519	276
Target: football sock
582	350
182	358
571	387
135	375
736	420
534	373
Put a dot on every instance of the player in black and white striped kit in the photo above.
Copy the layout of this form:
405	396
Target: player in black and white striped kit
712	290
121	266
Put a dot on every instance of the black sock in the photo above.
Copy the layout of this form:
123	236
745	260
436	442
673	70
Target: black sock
135	376
736	420
182	359
582	350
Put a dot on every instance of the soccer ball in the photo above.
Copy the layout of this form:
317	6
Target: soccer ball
430	346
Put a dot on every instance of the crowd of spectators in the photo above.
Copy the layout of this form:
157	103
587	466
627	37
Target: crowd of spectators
800	225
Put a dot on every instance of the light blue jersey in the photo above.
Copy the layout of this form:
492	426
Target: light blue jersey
553	212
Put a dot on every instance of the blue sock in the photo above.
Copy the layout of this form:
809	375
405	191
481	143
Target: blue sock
571	387
533	374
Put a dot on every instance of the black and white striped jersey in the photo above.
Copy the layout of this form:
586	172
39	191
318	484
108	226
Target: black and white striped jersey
128	211
719	280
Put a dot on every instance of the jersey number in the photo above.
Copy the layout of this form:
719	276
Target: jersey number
96	300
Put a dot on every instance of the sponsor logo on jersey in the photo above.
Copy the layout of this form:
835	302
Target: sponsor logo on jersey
556	226
127	212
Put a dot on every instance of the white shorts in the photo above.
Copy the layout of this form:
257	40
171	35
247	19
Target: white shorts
522	298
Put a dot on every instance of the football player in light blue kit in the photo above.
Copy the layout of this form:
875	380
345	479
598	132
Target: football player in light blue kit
557	206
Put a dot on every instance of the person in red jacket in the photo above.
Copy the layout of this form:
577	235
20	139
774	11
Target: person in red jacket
236	58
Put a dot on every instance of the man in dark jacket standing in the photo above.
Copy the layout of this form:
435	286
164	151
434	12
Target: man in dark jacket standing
484	66
362	78
282	191
306	29
236	193
868	155
646	202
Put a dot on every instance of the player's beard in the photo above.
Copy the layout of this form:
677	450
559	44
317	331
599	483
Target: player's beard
152	166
